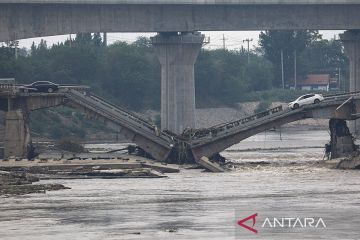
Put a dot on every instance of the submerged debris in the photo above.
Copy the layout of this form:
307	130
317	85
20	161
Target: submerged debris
27	189
350	162
14	183
210	165
123	167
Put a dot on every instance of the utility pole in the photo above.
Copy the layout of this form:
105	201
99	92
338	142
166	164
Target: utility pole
105	39
70	40
224	40
282	69
339	79
16	44
248	47
295	69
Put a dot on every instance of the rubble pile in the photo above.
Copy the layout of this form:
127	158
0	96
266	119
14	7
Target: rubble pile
14	183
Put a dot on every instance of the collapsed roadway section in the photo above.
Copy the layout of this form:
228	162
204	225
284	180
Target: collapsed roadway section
165	146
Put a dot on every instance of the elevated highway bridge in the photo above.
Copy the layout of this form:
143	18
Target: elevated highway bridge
178	43
164	146
35	18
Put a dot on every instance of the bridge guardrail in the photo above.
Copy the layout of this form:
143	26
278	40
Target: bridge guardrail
133	116
117	114
213	131
347	94
120	110
7	85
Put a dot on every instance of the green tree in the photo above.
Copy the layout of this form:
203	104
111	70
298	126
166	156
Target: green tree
324	56
274	42
7	62
83	38
127	75
224	76
97	40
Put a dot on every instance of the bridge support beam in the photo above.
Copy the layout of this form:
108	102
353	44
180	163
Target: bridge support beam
17	142
177	53
341	142
351	40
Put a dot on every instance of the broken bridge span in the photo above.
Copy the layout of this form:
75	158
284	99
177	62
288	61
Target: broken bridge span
161	144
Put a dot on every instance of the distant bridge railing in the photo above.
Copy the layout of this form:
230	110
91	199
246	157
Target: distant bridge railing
7	85
341	95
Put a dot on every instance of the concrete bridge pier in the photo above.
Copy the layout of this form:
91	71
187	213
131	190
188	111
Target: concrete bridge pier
351	40
17	142
341	141
177	53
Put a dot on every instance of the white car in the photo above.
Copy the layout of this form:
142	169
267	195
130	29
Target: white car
306	100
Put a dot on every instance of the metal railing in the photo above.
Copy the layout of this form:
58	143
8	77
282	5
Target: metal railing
7	85
118	115
192	134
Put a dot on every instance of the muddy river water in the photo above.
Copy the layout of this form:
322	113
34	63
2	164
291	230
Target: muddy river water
286	182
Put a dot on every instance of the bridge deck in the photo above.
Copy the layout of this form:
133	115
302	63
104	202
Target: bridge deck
206	142
201	142
22	19
188	2
136	129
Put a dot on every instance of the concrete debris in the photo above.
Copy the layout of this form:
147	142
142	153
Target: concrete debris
79	169
349	163
162	167
27	189
12	183
210	165
12	178
120	173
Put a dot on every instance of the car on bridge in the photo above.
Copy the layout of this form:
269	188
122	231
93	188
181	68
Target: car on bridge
41	86
306	100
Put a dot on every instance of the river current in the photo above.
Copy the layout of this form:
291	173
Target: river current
284	180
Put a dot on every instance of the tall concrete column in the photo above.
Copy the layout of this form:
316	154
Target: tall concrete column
177	53
17	142
351	40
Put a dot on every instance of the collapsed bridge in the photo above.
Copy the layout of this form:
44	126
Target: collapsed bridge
18	106
210	141
162	145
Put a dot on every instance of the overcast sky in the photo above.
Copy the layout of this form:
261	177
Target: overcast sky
233	40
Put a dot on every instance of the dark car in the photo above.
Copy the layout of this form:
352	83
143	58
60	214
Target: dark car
43	86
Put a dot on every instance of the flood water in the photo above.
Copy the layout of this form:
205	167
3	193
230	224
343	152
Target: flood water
196	205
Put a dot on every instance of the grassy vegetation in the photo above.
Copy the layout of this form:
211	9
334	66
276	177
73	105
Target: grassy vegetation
63	123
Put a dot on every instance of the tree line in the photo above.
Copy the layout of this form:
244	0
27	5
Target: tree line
129	73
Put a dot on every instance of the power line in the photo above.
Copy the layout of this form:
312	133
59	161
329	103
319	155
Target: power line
282	69
248	47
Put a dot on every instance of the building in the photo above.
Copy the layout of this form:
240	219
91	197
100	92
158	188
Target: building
316	82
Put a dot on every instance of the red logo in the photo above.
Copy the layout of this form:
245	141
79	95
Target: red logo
252	229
